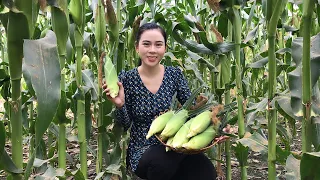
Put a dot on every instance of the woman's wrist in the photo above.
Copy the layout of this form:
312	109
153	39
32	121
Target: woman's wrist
119	106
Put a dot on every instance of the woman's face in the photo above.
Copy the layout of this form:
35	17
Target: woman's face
151	47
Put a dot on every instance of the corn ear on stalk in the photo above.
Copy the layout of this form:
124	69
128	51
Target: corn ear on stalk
200	123
111	77
174	124
100	25
112	19
169	143
76	10
201	140
181	136
159	123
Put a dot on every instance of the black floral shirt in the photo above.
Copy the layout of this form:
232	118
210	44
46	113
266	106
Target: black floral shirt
141	107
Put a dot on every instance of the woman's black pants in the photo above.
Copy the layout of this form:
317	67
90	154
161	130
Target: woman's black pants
157	164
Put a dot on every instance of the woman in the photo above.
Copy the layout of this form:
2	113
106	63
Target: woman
145	91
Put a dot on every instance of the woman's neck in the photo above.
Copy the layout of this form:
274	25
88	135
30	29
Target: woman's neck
150	71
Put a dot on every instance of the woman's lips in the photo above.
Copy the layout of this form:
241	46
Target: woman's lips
152	58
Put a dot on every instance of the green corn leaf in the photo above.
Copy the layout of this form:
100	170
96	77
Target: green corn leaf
60	26
28	170
255	142
2	137
30	9
191	99
17	21
44	70
89	81
316	132
297	45
241	153
205	48
292	168
309	166
7	164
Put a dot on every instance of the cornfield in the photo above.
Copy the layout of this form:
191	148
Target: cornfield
260	56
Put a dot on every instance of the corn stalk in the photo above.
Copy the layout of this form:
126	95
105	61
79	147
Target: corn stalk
77	11
228	101
272	66
100	34
239	90
15	36
308	6
60	25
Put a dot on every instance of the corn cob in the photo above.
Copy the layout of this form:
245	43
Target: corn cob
169	143
174	124
201	140
200	123
181	136
159	123
111	77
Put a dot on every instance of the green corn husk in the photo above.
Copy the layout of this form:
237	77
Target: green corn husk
111	18
100	25
200	123
181	136
76	11
201	140
169	143
159	123
111	77
175	123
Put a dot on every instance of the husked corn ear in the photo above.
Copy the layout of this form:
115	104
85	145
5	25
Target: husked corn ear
200	123
169	143
201	140
159	123
111	77
181	136
174	124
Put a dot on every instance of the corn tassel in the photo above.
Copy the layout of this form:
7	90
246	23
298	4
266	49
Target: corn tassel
200	123
111	77
159	123
181	136
201	140
175	123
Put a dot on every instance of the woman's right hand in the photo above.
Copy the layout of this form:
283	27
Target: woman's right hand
117	101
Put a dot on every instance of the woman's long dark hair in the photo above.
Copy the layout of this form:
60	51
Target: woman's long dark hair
149	26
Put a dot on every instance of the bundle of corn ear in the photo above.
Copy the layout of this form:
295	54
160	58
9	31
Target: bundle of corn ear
159	123
111	77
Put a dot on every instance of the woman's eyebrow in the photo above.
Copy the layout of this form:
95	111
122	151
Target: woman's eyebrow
150	41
